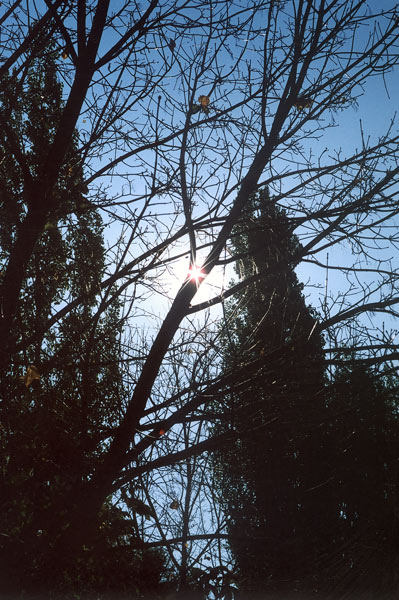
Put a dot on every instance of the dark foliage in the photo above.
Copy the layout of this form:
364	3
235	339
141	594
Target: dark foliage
61	398
364	429
275	523
310	487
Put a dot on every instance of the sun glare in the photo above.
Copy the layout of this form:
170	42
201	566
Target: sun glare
195	273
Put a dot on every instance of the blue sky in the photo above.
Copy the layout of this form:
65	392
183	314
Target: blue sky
373	113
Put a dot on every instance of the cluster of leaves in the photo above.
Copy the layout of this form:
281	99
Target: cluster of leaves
203	105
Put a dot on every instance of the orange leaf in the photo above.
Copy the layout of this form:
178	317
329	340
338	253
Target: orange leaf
31	374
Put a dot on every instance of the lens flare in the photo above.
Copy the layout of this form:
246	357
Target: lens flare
195	273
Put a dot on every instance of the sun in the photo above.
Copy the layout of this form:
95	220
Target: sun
195	273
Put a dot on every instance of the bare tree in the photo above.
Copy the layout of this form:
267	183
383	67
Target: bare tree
182	109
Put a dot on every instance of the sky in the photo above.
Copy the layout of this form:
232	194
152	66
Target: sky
376	109
373	114
371	117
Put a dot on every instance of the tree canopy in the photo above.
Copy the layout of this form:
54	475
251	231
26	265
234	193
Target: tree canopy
133	138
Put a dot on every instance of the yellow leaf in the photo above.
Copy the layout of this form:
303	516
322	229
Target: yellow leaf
31	374
204	101
302	103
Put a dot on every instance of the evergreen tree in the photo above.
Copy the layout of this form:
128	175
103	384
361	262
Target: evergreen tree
310	487
274	480
364	426
62	397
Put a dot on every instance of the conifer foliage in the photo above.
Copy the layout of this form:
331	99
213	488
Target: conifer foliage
363	406
310	486
279	409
